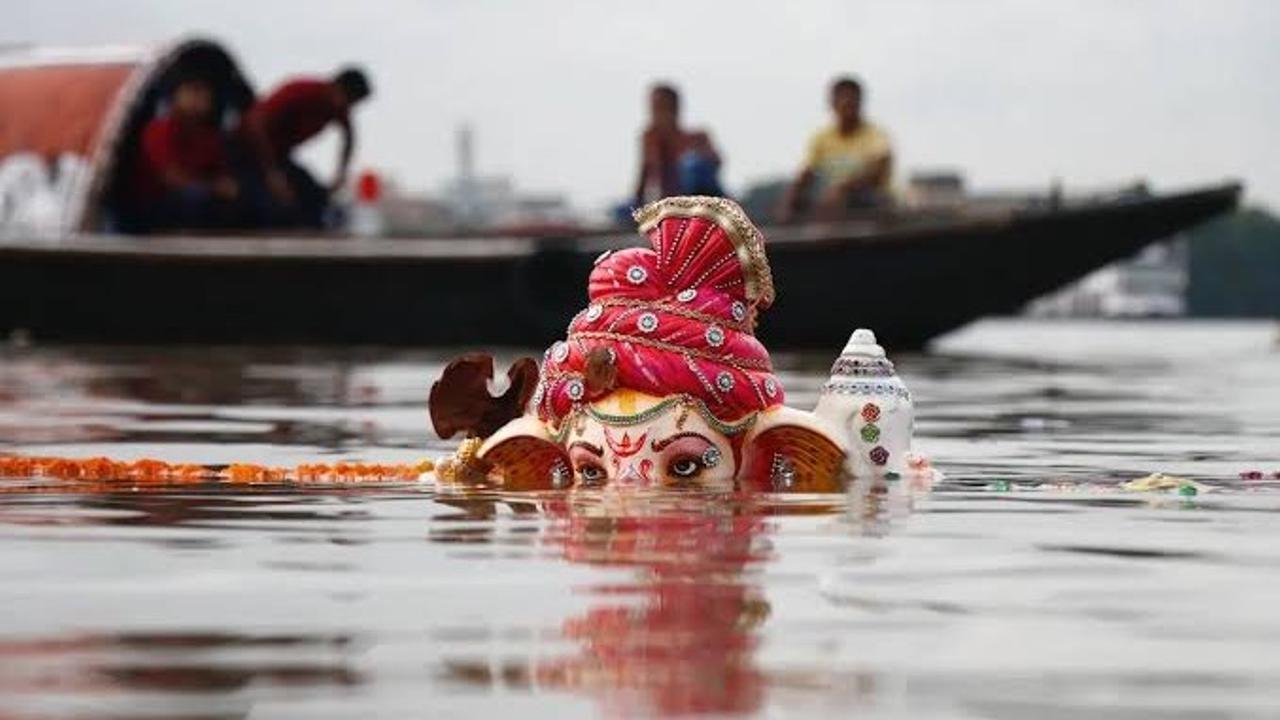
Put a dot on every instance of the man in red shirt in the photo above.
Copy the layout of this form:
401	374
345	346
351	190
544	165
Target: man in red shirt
181	178
291	115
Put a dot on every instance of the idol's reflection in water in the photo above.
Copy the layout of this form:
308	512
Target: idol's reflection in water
683	642
681	636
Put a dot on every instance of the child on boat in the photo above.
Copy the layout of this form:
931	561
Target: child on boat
181	178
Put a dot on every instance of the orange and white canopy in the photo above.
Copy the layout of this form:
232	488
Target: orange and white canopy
68	123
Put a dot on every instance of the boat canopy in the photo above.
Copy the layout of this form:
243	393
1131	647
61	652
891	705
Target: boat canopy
71	122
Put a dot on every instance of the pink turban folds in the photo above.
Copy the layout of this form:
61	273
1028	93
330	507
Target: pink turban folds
674	318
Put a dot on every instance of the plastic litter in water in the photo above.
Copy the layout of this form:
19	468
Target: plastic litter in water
1157	482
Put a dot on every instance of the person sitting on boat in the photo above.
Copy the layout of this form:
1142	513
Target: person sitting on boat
181	178
674	161
849	164
291	115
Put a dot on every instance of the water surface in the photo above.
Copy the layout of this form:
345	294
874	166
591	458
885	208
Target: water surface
1061	597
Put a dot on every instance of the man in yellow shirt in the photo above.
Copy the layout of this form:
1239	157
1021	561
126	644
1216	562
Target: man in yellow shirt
849	164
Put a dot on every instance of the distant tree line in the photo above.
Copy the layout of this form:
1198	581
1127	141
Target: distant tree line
1234	266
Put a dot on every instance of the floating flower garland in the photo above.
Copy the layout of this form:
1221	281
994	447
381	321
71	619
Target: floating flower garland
157	471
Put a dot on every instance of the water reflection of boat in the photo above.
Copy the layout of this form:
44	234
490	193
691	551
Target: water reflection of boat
910	276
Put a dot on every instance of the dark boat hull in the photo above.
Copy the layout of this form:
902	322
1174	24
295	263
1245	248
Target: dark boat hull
909	284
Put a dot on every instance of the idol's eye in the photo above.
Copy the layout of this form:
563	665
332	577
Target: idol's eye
685	467
591	474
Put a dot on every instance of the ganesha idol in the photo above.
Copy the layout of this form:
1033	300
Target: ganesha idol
662	383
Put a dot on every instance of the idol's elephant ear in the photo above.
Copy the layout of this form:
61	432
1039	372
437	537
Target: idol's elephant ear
790	450
525	457
461	401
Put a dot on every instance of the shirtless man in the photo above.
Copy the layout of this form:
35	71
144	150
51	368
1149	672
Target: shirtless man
674	161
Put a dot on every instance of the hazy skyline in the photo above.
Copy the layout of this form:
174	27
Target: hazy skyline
1012	93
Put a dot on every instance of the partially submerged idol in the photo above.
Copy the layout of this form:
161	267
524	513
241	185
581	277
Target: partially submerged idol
661	382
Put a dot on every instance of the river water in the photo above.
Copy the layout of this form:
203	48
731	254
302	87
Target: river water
1024	585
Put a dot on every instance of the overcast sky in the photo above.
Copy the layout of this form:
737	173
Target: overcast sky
1014	93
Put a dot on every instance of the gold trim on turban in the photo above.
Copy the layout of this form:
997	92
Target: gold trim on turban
745	236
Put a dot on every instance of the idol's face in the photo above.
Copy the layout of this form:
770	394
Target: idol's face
673	448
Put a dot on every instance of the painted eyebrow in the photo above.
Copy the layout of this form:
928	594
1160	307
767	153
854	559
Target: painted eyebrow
588	447
659	445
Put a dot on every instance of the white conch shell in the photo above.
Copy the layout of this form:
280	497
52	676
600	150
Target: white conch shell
865	398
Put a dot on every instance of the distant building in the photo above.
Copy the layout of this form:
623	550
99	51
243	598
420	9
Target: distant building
946	190
935	188
408	214
1151	284
468	202
479	202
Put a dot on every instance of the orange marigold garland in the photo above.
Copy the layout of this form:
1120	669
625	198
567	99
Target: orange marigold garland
149	470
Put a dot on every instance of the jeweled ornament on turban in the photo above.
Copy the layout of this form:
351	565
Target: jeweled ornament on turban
661	381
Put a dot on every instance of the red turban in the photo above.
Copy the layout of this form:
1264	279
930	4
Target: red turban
675	318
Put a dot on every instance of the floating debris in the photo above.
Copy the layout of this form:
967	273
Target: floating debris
1157	482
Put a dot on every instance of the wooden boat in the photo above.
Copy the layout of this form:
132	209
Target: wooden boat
911	277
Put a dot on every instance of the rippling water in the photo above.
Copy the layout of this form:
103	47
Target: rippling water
1061	597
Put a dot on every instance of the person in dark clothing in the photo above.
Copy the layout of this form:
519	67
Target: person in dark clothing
284	192
181	178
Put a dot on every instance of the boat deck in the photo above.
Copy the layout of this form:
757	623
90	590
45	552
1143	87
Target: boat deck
909	279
